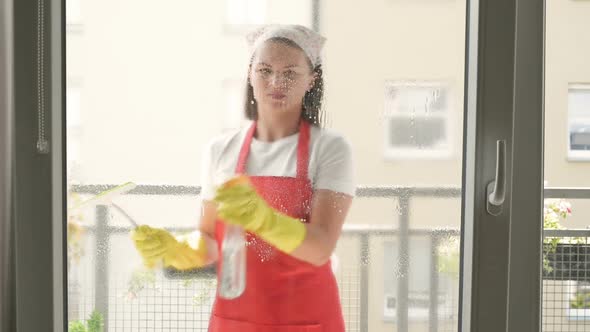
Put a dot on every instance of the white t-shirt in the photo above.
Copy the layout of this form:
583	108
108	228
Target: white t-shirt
330	160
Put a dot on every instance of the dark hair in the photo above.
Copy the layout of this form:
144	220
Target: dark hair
312	101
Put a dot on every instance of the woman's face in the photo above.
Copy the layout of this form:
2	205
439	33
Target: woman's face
280	75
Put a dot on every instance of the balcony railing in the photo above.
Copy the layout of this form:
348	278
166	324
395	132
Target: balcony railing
181	302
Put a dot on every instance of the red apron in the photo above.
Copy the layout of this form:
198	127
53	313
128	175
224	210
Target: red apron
283	293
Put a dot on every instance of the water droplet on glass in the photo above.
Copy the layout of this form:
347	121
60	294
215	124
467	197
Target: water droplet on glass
398	208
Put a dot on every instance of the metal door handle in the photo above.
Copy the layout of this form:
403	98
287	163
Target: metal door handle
496	190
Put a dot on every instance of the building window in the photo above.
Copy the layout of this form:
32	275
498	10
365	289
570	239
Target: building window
417	120
73	127
243	15
420	271
73	16
579	300
245	12
579	122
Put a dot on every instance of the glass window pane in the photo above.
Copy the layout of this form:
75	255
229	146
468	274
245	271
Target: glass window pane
161	82
567	163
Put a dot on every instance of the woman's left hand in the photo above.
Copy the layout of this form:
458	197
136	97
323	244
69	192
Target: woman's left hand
240	204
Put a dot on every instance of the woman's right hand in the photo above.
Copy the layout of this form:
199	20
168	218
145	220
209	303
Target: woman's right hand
158	245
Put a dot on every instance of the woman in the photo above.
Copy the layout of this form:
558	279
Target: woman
293	201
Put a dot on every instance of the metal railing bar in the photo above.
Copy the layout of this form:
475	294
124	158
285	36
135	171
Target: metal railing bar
361	191
379	230
163	190
566	233
571	193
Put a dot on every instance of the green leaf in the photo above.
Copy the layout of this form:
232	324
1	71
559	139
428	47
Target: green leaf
95	323
76	326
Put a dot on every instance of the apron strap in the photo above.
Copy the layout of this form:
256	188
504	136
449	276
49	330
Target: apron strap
302	150
245	150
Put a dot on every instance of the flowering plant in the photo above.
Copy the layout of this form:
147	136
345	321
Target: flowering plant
554	212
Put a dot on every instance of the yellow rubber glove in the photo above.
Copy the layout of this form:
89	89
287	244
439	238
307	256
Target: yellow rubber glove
156	244
240	204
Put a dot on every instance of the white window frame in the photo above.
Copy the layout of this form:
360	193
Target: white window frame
573	155
414	314
392	153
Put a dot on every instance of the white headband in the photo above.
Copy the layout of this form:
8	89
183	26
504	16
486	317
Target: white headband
308	40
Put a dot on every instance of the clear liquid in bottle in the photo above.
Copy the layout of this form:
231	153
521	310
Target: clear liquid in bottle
232	281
